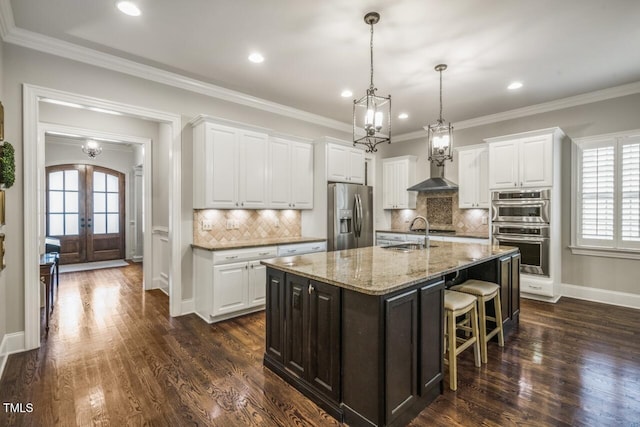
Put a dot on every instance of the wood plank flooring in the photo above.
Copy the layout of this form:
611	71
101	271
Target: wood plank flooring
115	357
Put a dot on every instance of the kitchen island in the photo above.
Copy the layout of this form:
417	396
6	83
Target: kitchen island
360	331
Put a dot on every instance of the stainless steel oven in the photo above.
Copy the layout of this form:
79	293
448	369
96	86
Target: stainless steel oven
530	206
531	239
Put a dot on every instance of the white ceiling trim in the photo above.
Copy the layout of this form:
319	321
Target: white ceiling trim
29	39
545	107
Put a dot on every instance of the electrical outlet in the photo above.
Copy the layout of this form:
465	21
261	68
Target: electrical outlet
207	225
236	224
229	224
485	220
276	223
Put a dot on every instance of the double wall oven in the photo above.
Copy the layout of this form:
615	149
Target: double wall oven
521	219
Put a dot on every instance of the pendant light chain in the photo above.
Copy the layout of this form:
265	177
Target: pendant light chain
441	96
371	49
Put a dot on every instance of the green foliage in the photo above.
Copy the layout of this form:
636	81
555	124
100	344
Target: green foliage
7	164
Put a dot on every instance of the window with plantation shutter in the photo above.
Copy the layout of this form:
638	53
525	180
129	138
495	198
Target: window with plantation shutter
606	194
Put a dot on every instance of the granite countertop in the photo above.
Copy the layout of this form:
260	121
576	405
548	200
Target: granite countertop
377	271
254	243
470	234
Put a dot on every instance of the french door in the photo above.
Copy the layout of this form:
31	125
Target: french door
85	210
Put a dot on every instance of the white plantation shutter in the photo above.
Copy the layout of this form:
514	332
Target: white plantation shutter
597	183
608	192
630	200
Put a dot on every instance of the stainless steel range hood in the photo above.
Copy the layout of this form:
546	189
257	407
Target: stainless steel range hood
437	183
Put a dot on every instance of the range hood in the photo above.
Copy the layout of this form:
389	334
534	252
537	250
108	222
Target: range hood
438	183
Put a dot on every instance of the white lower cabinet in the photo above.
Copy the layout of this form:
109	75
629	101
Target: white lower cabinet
231	283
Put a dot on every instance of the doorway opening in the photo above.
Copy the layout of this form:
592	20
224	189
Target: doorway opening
85	210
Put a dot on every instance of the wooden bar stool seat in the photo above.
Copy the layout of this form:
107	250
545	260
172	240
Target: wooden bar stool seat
485	292
459	304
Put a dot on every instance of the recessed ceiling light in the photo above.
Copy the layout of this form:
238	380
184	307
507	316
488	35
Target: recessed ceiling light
346	93
256	58
514	85
129	8
63	103
403	116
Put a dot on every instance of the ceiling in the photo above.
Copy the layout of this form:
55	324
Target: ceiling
314	50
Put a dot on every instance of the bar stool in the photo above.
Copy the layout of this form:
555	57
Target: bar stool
459	304
485	292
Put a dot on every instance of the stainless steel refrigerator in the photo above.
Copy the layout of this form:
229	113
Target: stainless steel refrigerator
350	216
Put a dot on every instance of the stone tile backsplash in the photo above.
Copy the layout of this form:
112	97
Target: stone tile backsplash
442	211
252	224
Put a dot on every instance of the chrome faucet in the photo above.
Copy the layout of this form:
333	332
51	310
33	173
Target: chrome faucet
426	228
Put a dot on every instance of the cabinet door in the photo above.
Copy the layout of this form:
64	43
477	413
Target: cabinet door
431	335
222	167
296	325
402	183
280	174
324	338
482	173
388	185
504	273
337	163
467	178
257	283
229	288
275	314
356	166
536	169
253	170
401	366
302	175
515	286
503	161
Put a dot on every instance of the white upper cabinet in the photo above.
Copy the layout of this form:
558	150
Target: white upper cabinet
291	174
398	174
345	164
521	161
237	166
230	167
473	177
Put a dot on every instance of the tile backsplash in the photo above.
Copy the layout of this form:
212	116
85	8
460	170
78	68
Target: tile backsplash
442	211
252	224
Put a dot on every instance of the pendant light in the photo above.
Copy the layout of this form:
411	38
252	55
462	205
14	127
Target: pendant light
92	149
440	134
369	111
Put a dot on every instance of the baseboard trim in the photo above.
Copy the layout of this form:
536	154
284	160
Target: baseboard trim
11	343
159	283
188	306
605	296
535	297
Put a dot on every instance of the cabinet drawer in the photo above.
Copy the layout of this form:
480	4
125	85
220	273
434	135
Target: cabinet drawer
226	257
536	288
301	248
396	237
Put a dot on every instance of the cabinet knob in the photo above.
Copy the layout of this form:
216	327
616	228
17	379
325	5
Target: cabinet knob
515	184
242	204
520	184
311	289
236	203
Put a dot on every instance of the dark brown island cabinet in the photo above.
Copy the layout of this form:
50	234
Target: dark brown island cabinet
369	360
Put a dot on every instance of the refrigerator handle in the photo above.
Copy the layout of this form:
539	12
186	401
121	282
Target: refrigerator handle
359	208
355	215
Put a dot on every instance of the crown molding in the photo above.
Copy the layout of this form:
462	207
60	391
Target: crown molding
31	40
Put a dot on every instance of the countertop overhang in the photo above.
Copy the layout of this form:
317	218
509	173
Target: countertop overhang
378	271
256	243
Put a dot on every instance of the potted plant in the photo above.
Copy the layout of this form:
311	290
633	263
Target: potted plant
7	164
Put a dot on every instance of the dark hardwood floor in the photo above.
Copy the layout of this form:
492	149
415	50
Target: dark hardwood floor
115	357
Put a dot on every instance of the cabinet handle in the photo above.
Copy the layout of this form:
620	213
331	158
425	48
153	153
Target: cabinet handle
515	184
236	203
231	257
315	247
293	204
535	287
311	289
251	265
263	253
246	267
292	251
521	184
242	204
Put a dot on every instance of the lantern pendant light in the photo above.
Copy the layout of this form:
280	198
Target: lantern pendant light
369	111
440	134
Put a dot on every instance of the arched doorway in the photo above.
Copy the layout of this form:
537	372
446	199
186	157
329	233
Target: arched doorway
85	209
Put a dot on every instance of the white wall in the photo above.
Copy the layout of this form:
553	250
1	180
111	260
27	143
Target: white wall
27	66
597	118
